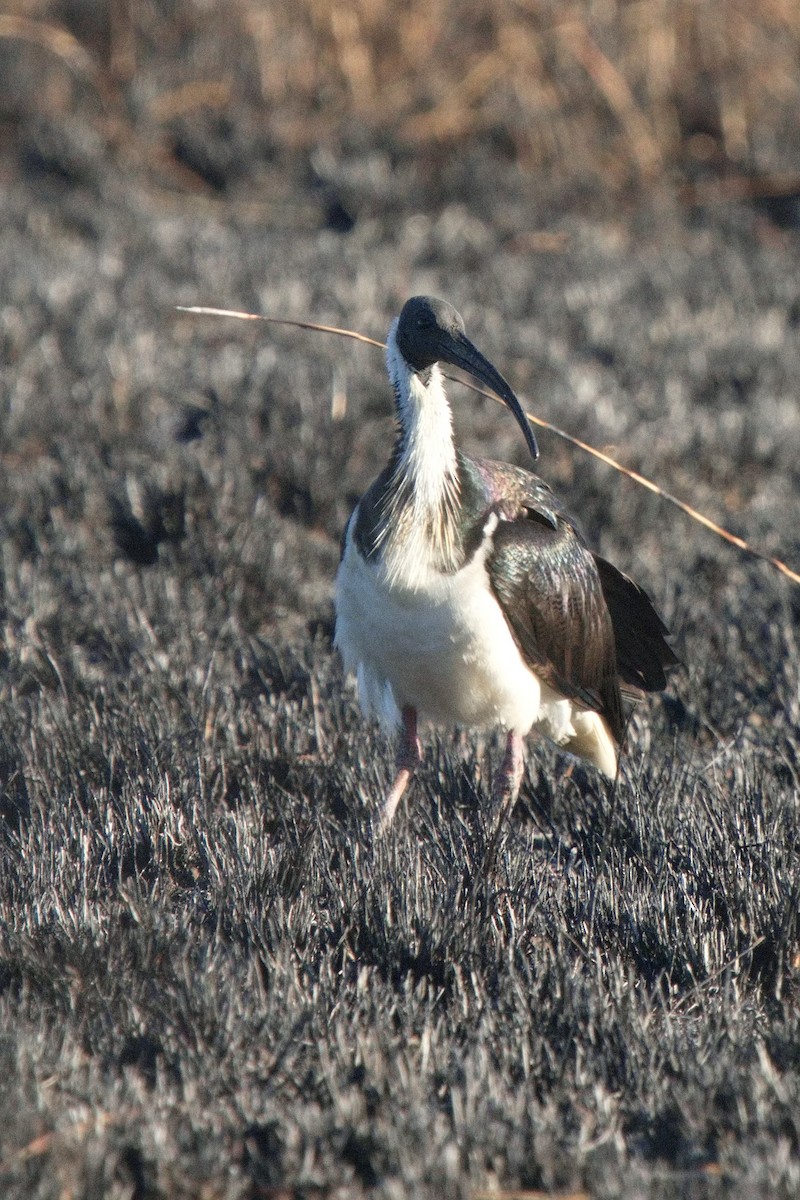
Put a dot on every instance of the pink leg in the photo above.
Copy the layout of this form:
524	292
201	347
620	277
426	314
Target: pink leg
409	756
509	775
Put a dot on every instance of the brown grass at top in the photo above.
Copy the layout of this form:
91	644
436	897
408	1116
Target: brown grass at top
619	91
631	88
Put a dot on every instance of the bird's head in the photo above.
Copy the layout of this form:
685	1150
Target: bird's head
431	331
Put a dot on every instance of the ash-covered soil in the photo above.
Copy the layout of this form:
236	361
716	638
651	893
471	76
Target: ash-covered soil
213	982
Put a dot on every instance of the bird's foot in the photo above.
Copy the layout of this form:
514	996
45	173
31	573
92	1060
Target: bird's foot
508	778
409	756
505	789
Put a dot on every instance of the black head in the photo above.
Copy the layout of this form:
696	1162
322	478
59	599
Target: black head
425	327
431	331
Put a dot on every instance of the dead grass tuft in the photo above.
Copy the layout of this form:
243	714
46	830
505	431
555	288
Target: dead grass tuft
622	93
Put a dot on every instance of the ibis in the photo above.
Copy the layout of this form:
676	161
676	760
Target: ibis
466	593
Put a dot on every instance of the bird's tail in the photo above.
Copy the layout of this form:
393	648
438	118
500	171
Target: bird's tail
592	740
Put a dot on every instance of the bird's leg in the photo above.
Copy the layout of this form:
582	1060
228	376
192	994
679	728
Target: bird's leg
508	778
409	756
505	789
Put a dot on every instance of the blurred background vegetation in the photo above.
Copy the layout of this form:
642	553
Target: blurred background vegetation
614	95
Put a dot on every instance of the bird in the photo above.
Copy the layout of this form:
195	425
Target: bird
467	594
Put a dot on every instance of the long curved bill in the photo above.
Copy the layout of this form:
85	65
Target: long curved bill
459	351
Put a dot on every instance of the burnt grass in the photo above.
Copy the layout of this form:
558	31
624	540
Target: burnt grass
214	980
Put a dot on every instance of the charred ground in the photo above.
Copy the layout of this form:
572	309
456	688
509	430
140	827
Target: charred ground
213	982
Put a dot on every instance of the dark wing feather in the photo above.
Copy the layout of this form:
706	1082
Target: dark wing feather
548	586
642	652
583	625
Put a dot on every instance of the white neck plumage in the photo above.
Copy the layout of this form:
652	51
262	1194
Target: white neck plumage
425	477
427	449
